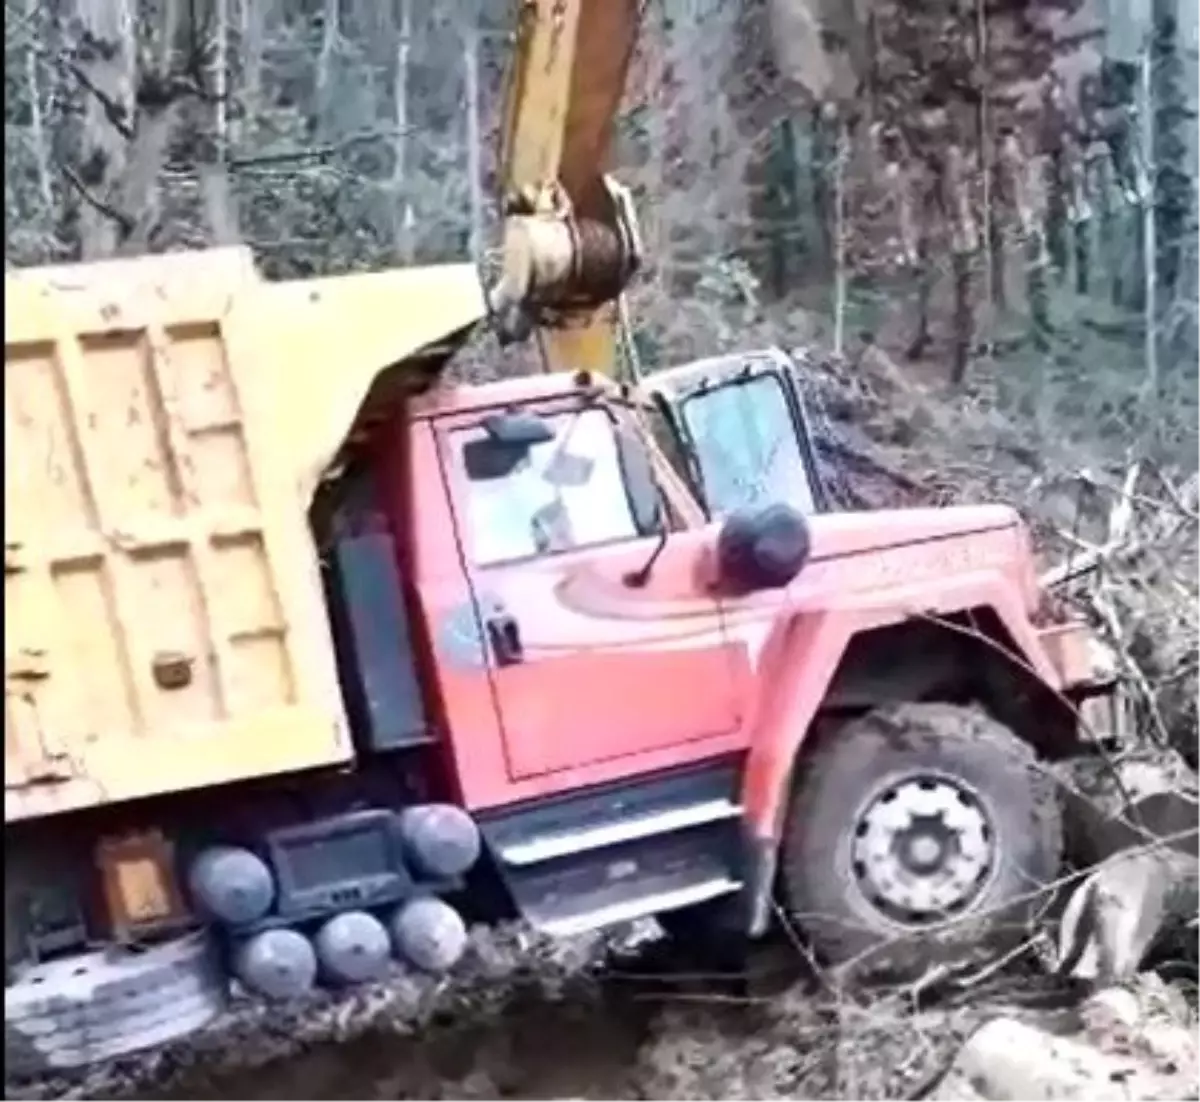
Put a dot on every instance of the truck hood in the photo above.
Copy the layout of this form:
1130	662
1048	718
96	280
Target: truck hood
855	558
835	535
860	554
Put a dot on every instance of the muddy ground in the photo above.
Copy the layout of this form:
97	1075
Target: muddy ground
616	1017
619	1017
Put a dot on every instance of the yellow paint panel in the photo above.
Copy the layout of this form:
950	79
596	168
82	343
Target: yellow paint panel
166	419
156	567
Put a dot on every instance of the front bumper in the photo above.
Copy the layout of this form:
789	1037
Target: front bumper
1089	673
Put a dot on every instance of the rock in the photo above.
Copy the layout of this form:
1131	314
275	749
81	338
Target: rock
1136	1042
1113	807
1118	912
1135	824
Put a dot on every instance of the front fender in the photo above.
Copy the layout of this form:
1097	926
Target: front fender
797	664
802	655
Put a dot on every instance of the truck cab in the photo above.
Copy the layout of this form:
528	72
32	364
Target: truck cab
607	656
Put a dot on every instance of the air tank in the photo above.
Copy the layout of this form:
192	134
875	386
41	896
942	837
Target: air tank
429	934
440	840
279	964
352	947
231	885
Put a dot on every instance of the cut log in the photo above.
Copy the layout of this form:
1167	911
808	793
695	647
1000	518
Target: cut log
1136	828
1122	909
1136	1043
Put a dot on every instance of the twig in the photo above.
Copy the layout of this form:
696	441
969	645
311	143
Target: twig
123	220
1119	522
316	153
1122	514
1188	501
980	975
1111	621
115	112
1043	891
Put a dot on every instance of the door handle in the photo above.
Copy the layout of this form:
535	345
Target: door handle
504	634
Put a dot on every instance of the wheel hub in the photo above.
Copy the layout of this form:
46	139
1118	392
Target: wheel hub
923	849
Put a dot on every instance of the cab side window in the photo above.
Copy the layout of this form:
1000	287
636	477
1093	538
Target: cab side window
560	495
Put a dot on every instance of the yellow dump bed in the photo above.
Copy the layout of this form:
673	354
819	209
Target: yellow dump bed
165	420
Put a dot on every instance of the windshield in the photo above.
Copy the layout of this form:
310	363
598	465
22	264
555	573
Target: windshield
566	493
747	446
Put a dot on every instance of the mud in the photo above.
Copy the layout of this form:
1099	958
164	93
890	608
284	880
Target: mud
365	1041
612	1037
580	1047
621	1017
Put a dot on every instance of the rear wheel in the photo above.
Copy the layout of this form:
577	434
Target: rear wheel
87	1007
919	835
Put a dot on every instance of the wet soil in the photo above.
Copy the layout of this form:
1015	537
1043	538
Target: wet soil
579	1020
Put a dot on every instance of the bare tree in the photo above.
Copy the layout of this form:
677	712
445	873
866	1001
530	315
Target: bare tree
474	138
402	205
107	67
37	133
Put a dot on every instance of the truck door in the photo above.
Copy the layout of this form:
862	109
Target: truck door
594	658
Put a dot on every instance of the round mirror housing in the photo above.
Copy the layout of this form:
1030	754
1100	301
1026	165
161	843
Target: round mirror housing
763	546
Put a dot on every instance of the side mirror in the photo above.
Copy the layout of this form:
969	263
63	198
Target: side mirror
516	429
762	546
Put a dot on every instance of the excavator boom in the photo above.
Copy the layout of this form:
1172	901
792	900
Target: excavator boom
571	240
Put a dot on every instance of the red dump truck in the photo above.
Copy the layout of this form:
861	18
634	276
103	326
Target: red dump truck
313	658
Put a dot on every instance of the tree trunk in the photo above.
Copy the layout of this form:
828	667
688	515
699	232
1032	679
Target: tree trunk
253	18
1149	223
473	137
109	115
221	80
840	274
37	133
330	35
402	211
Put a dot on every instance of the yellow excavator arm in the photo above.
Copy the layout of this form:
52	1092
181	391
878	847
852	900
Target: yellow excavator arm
571	239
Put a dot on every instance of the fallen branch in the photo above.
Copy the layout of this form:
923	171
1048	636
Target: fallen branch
1119	523
1122	543
313	153
123	220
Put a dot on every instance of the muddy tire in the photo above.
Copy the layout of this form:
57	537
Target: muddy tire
82	1009
919	835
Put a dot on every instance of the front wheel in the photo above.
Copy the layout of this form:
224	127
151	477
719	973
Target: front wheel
919	835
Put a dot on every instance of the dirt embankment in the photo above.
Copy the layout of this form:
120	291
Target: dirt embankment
594	1019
